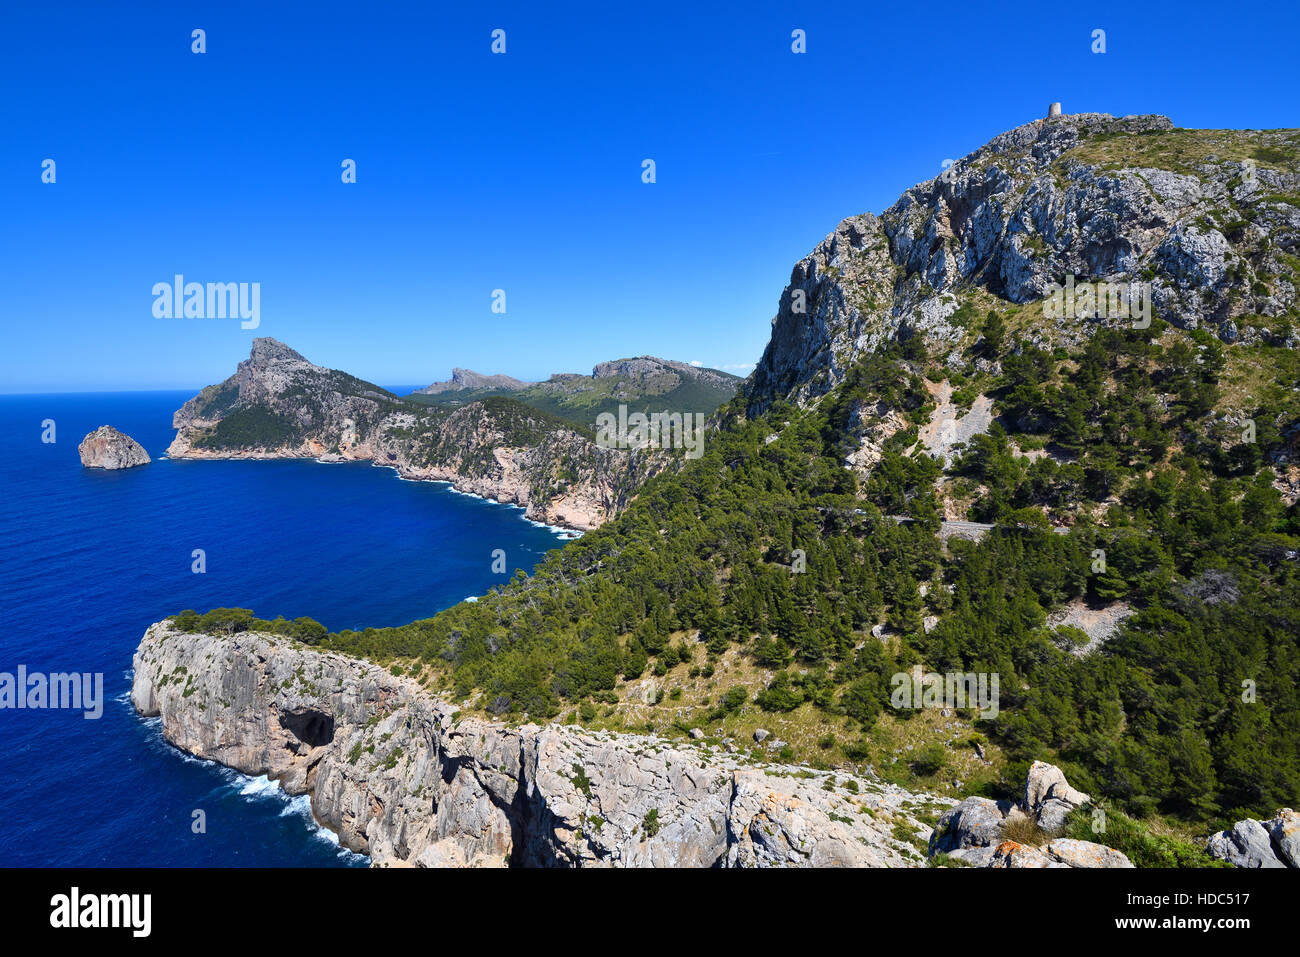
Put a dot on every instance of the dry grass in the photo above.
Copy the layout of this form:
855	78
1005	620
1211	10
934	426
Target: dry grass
1024	830
1184	151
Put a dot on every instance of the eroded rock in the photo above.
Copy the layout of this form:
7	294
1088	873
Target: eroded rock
401	775
107	448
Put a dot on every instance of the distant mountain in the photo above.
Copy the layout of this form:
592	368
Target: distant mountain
280	405
465	380
642	384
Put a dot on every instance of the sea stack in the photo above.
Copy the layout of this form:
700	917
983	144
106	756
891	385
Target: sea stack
107	448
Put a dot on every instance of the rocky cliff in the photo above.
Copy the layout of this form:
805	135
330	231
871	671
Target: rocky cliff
403	777
280	405
1209	218
107	448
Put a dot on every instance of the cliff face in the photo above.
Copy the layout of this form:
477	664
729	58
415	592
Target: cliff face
1210	218
279	405
107	448
400	776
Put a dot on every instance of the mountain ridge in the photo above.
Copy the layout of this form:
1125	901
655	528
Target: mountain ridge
771	594
643	384
280	405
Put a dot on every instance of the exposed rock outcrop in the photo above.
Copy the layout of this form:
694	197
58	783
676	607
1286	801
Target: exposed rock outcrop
107	448
402	776
1256	844
974	831
652	374
949	426
1073	195
1099	623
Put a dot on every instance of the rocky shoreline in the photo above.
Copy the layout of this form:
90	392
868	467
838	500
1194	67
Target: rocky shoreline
278	405
569	515
406	778
403	777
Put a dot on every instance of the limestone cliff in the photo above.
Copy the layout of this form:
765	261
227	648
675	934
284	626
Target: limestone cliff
402	776
1209	218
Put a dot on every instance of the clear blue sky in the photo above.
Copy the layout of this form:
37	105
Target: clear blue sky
523	172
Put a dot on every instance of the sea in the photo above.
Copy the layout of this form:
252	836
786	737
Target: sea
90	558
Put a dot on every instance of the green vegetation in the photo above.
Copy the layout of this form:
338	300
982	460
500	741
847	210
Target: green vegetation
650	823
577	400
1138	843
1192	710
1186	151
250	427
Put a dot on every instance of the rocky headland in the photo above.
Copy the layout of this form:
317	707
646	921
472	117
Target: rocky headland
403	776
406	777
279	405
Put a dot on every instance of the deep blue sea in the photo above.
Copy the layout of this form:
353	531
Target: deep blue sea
88	559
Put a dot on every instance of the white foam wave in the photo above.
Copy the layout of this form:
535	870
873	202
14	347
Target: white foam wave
260	788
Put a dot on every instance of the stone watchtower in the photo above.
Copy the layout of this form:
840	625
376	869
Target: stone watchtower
1054	110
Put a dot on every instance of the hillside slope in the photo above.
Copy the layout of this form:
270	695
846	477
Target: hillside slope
1141	475
645	384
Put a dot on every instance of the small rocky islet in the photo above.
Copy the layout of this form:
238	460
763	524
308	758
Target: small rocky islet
107	448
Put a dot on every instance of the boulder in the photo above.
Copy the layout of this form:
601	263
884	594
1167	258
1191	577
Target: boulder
1247	844
1085	854
975	822
974	831
1284	829
1048	781
973	856
1010	854
1052	814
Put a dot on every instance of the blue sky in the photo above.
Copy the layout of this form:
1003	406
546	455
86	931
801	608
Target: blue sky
520	171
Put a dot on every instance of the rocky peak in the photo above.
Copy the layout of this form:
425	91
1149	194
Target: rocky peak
1208	218
266	349
1047	139
637	368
